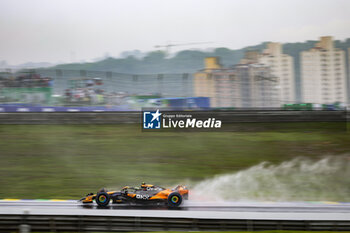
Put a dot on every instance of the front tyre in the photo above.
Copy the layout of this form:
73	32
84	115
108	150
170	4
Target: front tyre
102	199
174	199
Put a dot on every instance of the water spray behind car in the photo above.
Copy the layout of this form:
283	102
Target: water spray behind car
300	179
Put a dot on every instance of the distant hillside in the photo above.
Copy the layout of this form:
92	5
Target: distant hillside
156	61
189	61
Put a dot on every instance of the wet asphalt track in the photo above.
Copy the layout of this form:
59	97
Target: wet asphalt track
236	210
320	207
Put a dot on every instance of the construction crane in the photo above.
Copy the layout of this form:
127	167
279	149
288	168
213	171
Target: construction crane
168	46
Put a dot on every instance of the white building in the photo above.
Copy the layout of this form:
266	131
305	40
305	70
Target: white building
282	67
323	74
246	85
348	81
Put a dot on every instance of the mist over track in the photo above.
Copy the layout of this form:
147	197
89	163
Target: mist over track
300	179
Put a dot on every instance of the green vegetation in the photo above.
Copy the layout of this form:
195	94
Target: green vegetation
188	60
66	161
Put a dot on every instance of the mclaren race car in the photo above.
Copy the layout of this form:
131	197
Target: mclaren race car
146	194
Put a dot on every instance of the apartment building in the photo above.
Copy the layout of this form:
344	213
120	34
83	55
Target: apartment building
282	67
246	85
348	80
323	73
215	82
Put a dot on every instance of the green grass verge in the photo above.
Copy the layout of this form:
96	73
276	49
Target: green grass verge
66	161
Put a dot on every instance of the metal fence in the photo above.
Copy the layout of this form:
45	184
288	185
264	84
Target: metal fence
166	85
57	87
336	120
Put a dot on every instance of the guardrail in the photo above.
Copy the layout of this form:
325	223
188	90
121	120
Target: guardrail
80	223
135	117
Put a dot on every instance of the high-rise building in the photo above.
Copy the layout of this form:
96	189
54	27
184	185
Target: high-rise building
282	67
215	82
323	74
246	85
348	79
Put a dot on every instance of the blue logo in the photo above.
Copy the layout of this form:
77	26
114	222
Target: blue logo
151	120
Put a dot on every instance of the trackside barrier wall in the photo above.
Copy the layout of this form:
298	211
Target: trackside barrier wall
79	223
135	117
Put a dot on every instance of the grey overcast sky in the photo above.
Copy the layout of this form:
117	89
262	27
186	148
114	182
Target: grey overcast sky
62	30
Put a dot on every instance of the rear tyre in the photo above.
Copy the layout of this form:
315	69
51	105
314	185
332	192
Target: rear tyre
174	199
102	199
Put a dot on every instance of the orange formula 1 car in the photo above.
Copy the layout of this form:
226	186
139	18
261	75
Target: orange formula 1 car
146	194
